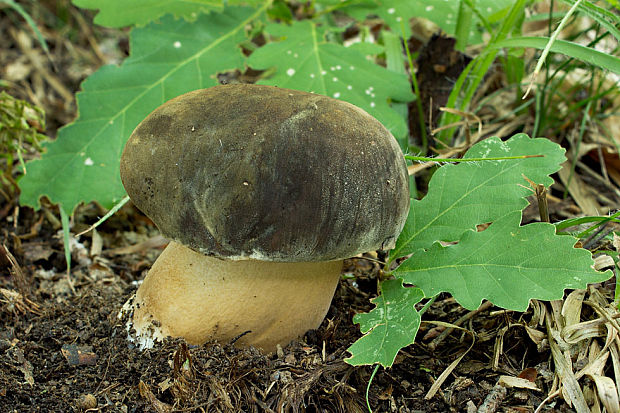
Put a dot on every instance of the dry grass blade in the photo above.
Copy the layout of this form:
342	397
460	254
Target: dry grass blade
571	310
517	382
570	387
607	392
444	334
155	404
18	276
578	191
446	373
585	330
575	343
16	302
614	350
25	44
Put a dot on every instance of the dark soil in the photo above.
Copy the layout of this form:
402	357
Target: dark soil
63	348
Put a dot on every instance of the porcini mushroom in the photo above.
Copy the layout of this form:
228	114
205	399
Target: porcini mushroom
263	192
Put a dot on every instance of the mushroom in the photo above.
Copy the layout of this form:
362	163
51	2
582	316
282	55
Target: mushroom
263	192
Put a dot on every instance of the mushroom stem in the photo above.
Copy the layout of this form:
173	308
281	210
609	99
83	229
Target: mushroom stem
200	298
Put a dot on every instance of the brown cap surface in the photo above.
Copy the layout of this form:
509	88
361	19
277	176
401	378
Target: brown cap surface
249	171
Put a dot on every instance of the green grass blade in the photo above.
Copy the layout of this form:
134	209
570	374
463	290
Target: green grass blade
574	50
19	9
463	24
394	60
600	15
475	71
572	222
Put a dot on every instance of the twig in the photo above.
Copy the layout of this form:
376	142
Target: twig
485	306
493	399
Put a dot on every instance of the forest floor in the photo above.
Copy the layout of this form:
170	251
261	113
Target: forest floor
63	348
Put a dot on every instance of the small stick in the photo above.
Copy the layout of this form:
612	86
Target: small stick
541	197
484	306
493	400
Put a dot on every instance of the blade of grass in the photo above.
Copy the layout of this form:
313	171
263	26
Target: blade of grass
597	225
111	212
582	130
547	48
478	68
395	62
600	15
463	24
483	19
574	50
416	91
20	10
572	222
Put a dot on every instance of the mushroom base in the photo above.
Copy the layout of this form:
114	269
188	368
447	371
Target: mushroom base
201	298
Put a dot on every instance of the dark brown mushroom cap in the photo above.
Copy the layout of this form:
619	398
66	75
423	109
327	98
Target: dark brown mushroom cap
249	171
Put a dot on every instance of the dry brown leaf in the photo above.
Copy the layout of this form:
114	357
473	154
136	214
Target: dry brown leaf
578	191
517	382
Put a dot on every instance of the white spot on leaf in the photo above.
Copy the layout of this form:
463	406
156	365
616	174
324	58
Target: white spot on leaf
337	95
391	10
177	44
290	72
89	162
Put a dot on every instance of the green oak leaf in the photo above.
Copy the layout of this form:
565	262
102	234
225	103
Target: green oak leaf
121	13
471	193
390	326
443	13
304	60
167	59
507	264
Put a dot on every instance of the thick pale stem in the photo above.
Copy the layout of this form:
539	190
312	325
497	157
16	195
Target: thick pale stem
200	298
